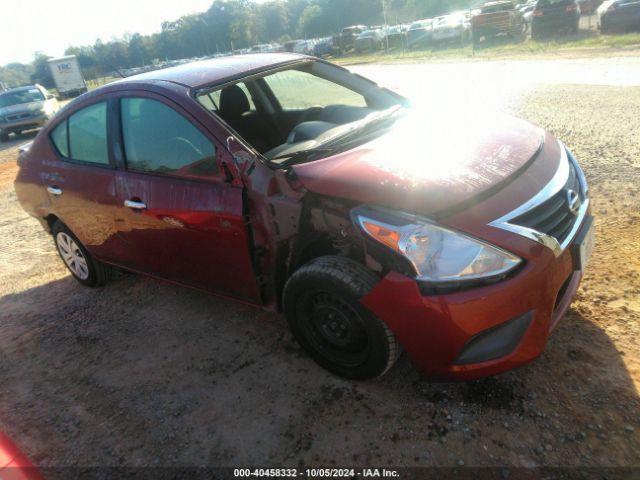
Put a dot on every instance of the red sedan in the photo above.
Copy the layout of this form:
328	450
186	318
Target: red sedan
290	183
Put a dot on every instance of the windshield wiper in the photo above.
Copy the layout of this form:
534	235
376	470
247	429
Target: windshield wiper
291	158
331	144
367	125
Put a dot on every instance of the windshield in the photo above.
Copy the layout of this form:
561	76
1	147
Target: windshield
340	138
298	107
20	96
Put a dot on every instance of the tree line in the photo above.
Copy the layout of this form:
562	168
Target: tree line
229	25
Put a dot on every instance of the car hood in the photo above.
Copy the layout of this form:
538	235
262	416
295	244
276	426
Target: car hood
22	107
428	164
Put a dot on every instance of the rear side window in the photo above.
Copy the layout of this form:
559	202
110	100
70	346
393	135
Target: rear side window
158	139
88	134
211	100
60	139
83	136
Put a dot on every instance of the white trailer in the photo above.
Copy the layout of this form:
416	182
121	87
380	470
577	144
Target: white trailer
67	76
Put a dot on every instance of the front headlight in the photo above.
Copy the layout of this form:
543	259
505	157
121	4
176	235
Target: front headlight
438	254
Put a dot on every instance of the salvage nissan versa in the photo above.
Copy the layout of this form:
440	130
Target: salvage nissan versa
287	182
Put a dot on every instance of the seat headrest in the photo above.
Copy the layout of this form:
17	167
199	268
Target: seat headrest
233	102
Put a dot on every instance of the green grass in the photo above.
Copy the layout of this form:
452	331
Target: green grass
584	43
98	82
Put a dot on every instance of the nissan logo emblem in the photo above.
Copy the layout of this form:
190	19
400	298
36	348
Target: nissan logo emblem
573	201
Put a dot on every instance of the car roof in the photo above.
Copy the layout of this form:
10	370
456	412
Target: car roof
216	70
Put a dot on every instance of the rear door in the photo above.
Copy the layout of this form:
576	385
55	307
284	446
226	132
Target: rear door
80	178
180	217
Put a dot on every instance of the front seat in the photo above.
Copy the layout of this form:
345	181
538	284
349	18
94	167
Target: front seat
236	111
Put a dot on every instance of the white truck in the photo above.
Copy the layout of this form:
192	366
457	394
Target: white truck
67	76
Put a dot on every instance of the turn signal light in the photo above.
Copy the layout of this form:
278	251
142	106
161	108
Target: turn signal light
384	235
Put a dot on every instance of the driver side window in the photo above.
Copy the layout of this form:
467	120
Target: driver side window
298	90
157	139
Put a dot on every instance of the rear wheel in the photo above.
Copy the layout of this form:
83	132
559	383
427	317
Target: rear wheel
77	259
322	305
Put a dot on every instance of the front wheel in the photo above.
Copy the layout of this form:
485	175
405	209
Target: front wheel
77	259
322	305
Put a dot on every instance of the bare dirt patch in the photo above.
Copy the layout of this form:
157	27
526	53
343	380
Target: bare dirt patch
144	373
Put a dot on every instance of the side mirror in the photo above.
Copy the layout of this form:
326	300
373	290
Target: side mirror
49	96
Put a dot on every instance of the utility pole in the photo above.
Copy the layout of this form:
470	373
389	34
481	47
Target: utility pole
384	20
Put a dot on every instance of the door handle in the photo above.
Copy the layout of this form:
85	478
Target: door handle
54	191
135	205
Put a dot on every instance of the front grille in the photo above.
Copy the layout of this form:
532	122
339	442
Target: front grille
19	116
554	216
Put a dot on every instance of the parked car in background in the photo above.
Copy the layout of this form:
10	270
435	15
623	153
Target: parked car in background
67	76
323	46
305	47
345	41
25	108
290	45
589	7
454	27
553	17
462	238
619	16
496	19
396	36
420	33
267	48
369	40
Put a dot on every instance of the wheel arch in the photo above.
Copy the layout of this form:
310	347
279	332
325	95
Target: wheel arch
50	220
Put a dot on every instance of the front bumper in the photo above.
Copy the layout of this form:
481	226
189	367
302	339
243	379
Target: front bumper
485	330
435	330
447	35
28	123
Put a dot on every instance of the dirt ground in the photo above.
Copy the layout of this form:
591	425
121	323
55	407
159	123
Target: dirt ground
143	373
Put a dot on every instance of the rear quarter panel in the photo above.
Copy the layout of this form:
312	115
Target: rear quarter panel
28	184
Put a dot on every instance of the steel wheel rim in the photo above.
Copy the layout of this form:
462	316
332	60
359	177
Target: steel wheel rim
72	256
349	349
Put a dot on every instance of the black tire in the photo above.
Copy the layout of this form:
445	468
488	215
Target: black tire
97	272
4	137
322	306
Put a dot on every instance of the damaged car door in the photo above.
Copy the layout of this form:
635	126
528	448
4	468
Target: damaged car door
180	217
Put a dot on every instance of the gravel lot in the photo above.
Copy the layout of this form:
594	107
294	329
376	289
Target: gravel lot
144	373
